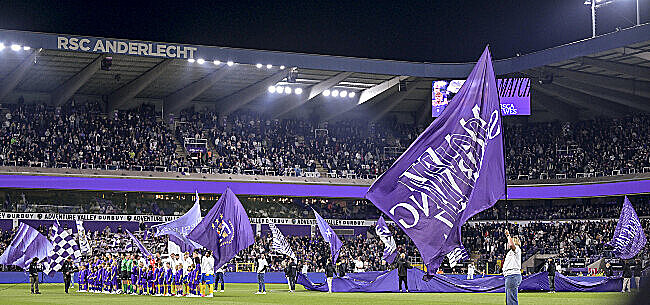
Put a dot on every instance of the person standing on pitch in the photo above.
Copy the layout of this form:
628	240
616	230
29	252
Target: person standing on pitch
512	269
290	271
262	265
34	268
550	268
68	270
330	272
470	271
207	269
220	273
638	269
627	276
403	267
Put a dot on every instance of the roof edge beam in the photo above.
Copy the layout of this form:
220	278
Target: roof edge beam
631	70
11	81
130	90
244	96
178	99
70	87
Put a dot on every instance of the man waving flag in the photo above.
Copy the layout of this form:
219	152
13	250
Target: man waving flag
452	171
390	251
329	236
225	230
629	237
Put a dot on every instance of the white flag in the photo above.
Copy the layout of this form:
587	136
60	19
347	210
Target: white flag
84	246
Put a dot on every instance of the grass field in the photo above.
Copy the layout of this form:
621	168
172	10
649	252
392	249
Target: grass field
278	294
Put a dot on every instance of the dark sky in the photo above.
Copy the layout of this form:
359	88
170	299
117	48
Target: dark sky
435	31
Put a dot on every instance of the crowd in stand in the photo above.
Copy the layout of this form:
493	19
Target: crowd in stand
82	136
595	147
250	143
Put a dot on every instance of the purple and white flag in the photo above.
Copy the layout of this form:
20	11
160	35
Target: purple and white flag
27	244
178	229
629	237
390	250
63	246
329	236
452	171
140	246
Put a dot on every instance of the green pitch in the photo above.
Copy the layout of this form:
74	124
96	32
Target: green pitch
278	294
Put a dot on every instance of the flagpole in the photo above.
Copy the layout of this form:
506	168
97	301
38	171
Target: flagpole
503	146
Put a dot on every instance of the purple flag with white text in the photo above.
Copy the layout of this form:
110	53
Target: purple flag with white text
452	171
629	237
390	250
178	229
329	236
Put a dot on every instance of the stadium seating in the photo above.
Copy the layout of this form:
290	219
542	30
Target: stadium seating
250	144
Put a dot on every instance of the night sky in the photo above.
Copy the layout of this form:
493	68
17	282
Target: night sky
433	31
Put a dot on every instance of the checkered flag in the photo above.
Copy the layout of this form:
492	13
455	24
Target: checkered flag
64	245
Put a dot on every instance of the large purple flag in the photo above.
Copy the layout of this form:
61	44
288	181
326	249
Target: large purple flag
225	230
452	171
179	228
27	244
390	250
140	246
330	237
629	237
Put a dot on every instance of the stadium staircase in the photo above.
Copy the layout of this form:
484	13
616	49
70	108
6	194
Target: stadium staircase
320	169
180	149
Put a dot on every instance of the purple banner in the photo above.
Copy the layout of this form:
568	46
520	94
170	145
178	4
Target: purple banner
298	190
387	281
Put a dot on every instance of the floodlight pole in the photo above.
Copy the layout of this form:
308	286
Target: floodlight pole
593	18
638	17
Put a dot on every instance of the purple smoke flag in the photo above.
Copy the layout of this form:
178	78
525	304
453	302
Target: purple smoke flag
179	228
452	171
225	230
140	246
629	237
329	236
390	250
27	244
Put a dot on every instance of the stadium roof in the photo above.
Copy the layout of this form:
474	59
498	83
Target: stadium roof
607	75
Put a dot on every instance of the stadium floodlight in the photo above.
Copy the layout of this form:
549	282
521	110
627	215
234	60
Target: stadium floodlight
335	93
216	62
351	94
326	93
2	46
259	66
298	91
596	4
230	63
192	60
272	89
287	90
269	66
15	47
26	48
343	93
279	89
282	67
200	61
